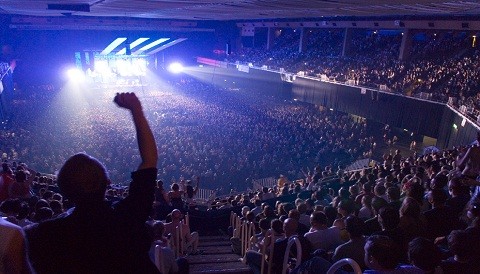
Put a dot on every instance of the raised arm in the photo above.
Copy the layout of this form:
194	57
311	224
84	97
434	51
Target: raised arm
145	139
463	161
196	187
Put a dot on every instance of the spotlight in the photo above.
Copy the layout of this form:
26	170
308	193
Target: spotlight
75	74
175	68
101	67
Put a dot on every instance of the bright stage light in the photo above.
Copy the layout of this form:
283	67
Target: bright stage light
123	67
139	67
101	67
75	74
175	68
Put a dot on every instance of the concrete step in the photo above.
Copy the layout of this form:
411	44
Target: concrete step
213	258
213	243
214	238
220	268
217	258
216	250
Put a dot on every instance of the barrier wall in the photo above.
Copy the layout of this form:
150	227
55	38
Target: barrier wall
424	117
266	81
397	111
454	131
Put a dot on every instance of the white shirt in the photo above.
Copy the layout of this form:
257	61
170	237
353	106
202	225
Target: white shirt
365	213
327	239
169	263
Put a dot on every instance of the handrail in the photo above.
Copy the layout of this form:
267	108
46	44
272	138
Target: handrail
270	255
248	230
176	241
243	231
251	233
237	226
182	240
455	109
291	241
186	219
343	262
232	219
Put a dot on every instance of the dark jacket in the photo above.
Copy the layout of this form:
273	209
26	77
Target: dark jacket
98	238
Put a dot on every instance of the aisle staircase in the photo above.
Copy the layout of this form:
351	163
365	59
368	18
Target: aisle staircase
217	257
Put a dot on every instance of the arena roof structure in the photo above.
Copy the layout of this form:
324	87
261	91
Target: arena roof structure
238	9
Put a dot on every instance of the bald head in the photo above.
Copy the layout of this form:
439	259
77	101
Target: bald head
290	226
176	215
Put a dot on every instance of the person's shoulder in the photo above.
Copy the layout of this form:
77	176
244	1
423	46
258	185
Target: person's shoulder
167	251
10	230
281	241
314	232
475	148
47	227
402	269
342	247
333	229
408	269
429	212
308	234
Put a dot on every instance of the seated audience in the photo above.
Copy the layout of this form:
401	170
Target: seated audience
412	222
423	254
459	195
191	239
169	264
320	235
354	248
439	218
389	220
383	255
175	197
465	258
372	225
254	260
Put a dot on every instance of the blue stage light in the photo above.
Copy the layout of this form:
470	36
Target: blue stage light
132	45
117	42
151	45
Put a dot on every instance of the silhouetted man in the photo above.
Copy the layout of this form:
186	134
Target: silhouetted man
97	238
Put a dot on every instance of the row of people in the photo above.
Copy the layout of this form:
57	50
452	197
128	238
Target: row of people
372	60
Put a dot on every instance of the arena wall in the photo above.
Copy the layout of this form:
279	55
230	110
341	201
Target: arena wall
432	119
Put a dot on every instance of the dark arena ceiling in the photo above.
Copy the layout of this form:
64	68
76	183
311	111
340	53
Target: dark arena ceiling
238	9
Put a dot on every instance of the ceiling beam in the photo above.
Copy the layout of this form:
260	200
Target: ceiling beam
102	23
371	24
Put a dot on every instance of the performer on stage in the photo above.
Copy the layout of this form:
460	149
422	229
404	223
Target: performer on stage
7	66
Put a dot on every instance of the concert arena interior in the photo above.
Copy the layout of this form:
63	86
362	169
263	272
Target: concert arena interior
238	137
